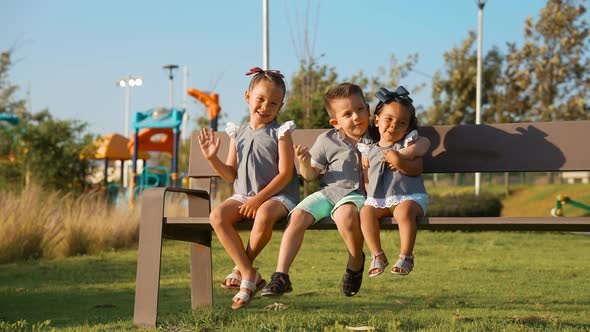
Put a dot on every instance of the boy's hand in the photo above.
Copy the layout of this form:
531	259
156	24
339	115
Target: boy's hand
302	154
391	157
208	143
249	209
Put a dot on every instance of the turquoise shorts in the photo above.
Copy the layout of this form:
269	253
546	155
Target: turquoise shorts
320	207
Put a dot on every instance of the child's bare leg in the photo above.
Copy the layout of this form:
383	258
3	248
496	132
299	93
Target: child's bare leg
293	239
371	228
347	220
222	219
405	214
267	215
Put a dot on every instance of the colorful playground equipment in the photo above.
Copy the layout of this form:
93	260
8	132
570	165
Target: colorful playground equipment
157	129
10	119
561	200
113	147
211	102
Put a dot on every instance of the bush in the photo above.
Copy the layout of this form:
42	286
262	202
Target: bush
464	205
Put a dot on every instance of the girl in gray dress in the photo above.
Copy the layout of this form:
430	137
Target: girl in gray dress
260	164
395	183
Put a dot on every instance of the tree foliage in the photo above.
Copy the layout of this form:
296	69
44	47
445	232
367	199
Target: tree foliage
545	79
389	77
8	102
453	93
305	98
551	71
39	148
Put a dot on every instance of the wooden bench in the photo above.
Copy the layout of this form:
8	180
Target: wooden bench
517	147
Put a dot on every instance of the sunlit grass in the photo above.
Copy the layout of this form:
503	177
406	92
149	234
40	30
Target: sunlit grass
462	281
481	281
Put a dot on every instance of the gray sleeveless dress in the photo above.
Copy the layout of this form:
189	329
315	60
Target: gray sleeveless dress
388	187
258	159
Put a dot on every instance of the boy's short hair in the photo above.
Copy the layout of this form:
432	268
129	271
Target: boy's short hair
341	90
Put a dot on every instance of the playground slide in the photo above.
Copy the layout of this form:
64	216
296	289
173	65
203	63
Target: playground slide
154	139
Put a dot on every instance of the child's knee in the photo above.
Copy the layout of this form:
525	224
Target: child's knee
407	211
347	211
217	218
265	219
300	220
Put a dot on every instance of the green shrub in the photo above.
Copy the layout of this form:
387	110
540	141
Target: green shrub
464	205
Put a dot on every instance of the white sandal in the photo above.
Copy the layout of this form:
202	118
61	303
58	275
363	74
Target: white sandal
377	265
404	265
233	275
247	297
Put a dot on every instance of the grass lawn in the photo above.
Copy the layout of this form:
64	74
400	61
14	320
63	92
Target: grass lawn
462	282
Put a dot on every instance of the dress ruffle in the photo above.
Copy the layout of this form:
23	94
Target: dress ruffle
288	125
364	149
411	138
394	200
232	130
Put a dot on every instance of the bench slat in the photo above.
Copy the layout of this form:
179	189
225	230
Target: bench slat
578	224
506	147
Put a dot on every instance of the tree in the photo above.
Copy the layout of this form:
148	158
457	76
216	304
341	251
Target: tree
453	94
39	148
552	64
8	102
389	77
305	98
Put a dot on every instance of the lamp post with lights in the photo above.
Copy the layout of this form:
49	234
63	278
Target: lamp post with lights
127	83
170	69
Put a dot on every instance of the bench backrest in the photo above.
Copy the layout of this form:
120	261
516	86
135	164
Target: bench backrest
508	147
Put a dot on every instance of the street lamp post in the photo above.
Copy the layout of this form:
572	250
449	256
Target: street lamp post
127	83
170	83
265	34
480	5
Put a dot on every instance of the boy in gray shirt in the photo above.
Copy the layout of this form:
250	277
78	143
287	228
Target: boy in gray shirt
335	159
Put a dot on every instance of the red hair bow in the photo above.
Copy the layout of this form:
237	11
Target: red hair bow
257	70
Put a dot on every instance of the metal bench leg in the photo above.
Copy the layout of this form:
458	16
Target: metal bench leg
201	267
201	275
149	258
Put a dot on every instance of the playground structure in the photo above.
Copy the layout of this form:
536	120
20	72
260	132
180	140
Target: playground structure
10	119
157	129
561	200
211	102
111	147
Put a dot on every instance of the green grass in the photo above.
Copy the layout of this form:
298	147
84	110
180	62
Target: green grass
462	281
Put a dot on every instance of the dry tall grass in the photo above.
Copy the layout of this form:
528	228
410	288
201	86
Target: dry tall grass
36	224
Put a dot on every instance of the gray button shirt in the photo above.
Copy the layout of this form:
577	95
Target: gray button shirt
258	160
340	162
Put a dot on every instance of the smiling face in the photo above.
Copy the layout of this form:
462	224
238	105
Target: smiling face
393	122
264	100
350	115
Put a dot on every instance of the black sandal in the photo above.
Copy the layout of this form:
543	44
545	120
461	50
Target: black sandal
352	281
279	284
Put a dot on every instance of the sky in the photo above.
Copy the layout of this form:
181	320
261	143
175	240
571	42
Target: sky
68	54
